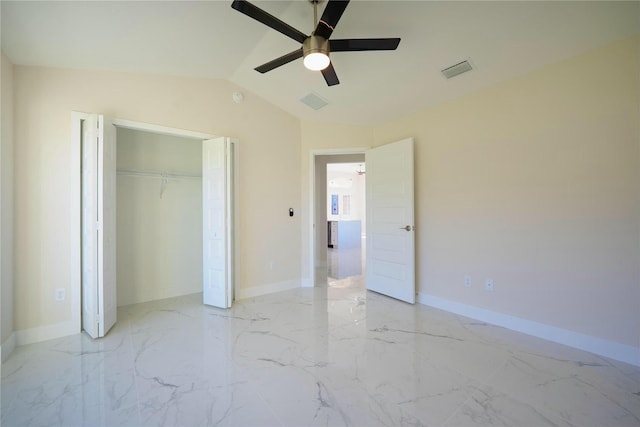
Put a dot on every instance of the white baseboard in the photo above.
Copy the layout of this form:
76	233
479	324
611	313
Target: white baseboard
270	288
44	333
599	346
7	347
307	283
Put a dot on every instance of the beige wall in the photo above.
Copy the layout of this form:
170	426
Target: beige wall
269	155
6	201
159	224
535	183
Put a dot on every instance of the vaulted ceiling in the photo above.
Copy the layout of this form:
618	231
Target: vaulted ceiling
209	39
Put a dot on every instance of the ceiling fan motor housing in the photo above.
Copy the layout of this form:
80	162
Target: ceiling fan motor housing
315	44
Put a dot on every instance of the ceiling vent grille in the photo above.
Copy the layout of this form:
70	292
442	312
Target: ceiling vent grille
457	69
314	101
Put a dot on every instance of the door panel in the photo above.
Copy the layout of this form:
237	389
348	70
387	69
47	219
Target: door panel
90	226
107	220
217	186
99	305
390	263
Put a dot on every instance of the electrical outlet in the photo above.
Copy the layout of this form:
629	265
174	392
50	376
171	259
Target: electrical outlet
61	294
488	284
467	281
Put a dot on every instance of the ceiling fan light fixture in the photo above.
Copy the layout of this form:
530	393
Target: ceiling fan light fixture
316	53
316	61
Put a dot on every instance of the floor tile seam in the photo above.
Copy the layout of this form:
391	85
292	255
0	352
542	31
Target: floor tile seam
482	385
254	387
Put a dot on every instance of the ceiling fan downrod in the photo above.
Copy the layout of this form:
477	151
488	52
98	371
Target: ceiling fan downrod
315	49
315	14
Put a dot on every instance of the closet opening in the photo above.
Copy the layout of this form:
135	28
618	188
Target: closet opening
158	216
155	210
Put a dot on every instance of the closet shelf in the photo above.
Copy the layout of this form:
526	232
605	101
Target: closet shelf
158	174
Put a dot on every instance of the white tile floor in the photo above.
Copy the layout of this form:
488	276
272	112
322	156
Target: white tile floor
333	355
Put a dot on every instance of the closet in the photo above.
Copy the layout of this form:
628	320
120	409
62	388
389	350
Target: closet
158	216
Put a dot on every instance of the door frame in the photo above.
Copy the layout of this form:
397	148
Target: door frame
312	200
76	196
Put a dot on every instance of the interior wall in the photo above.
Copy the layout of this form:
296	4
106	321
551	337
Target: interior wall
159	222
268	153
6	202
535	183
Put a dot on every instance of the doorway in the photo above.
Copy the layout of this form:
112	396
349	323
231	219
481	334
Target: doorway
346	220
320	199
390	247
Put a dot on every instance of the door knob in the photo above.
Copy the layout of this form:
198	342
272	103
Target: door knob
407	228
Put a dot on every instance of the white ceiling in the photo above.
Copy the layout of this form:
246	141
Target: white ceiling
209	39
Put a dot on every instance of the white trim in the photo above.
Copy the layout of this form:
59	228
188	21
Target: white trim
599	346
235	235
7	347
270	288
44	333
312	200
164	130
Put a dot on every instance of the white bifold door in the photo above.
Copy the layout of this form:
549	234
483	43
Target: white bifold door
390	259
99	303
98	254
218	217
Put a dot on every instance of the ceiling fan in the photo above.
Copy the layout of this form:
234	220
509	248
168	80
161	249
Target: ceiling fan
316	47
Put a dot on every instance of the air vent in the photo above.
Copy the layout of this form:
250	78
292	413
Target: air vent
314	101
455	70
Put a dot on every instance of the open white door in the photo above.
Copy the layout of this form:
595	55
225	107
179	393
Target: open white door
390	259
99	306
217	216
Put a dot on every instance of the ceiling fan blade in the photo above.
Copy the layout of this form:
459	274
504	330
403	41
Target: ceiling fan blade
351	45
330	75
260	15
330	17
284	59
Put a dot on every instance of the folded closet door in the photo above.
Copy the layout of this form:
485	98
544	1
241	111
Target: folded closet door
90	226
108	306
98	225
216	215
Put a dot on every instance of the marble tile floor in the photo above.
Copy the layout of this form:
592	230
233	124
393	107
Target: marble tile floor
334	355
344	263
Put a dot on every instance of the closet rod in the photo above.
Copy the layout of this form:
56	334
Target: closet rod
157	174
